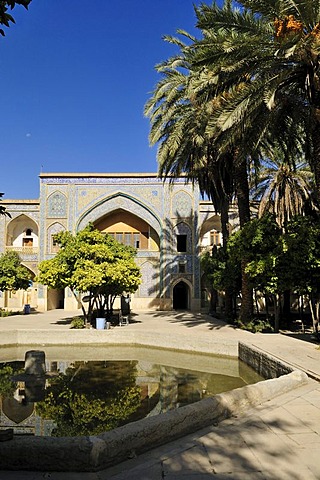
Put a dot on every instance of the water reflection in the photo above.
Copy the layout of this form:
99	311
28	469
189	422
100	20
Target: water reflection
90	397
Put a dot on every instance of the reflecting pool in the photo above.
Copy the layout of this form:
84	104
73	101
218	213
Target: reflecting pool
87	391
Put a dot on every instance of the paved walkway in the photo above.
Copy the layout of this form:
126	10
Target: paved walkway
278	440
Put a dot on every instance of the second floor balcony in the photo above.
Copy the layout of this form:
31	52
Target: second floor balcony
23	251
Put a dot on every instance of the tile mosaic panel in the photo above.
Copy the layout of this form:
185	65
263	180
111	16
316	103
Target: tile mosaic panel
181	205
150	275
57	205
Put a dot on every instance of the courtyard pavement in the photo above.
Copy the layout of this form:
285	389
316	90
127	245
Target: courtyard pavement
277	440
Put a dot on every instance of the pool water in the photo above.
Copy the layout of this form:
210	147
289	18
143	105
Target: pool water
88	397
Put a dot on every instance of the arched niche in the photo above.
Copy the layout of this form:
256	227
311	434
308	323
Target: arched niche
124	202
22	231
210	232
150	280
52	230
57	205
181	206
129	229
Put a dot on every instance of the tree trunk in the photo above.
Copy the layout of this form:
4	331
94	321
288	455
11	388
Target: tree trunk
225	221
242	192
287	304
228	308
314	308
213	300
276	307
315	162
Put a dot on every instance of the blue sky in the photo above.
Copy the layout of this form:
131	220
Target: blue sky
74	79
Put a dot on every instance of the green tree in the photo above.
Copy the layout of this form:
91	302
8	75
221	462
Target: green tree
260	243
3	210
273	49
91	398
94	264
181	124
178	126
284	189
5	17
302	261
13	275
224	275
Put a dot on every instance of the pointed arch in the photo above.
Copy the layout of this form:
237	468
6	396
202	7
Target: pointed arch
118	201
181	206
20	228
150	280
52	230
57	205
181	295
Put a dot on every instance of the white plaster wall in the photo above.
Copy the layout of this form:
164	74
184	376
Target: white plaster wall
17	242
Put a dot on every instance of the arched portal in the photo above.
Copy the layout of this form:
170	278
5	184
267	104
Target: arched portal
22	235
55	298
181	296
16	299
129	229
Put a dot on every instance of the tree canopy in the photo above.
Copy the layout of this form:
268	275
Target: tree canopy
91	263
13	275
3	210
5	17
246	84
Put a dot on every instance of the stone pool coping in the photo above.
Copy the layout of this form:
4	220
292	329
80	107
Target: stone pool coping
120	336
94	453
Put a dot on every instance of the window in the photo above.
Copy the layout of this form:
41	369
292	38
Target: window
181	243
127	238
135	239
27	242
54	245
215	238
182	267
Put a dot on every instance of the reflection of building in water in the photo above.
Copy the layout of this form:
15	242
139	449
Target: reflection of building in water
22	417
162	388
166	223
165	388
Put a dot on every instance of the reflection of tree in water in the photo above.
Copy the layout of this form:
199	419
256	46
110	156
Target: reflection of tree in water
7	371
91	398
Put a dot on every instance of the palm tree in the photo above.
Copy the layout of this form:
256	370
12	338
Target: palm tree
180	119
178	125
285	189
267	53
5	17
3	210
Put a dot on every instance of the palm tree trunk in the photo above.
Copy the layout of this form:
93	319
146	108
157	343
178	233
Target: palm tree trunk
315	166
225	221
228	307
242	192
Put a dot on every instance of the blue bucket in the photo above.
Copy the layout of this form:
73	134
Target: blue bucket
100	323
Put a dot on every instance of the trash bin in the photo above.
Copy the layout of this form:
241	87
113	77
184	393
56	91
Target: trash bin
100	323
108	324
27	309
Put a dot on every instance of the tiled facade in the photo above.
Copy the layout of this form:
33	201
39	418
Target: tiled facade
175	221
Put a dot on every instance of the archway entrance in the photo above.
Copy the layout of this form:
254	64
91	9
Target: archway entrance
55	298
180	300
